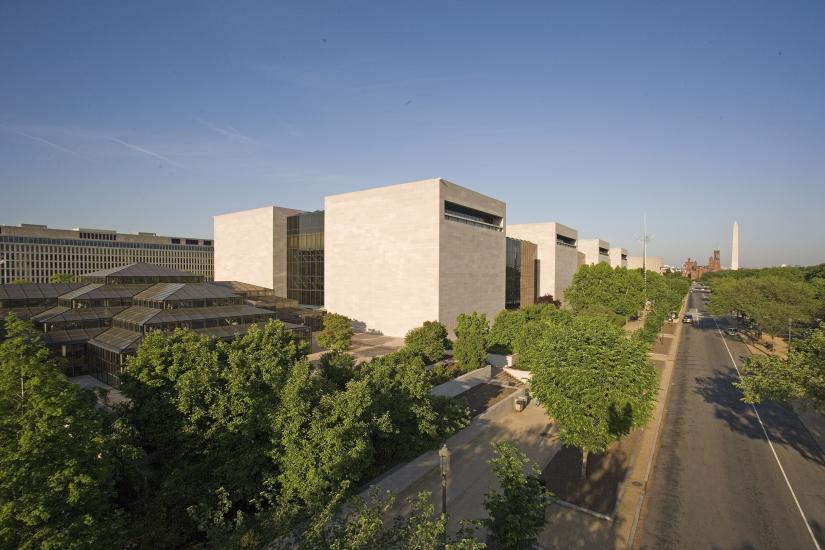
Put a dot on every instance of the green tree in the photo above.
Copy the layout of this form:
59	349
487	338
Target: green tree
510	324
61	278
507	326
801	375
593	381
57	463
598	285
770	300
429	341
470	348
206	412
337	333
362	524
338	367
516	514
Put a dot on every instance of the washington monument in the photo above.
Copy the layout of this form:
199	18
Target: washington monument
734	256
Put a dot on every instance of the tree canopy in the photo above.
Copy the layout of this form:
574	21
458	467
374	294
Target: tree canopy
337	332
770	300
800	375
599	285
57	456
596	383
61	278
470	349
429	341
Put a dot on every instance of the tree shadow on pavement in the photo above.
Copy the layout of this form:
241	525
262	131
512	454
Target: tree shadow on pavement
605	474
783	426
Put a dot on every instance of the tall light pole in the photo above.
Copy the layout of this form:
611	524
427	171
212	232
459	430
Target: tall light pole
790	323
644	239
444	458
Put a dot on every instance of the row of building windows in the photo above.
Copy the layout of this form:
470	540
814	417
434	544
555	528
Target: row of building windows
37	263
98	236
191	244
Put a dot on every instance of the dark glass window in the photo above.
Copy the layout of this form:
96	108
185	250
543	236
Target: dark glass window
305	258
471	216
512	293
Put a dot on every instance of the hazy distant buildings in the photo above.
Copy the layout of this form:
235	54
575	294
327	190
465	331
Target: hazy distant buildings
36	252
653	263
618	257
695	271
595	251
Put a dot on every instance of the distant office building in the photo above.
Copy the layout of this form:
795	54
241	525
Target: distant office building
522	271
595	251
35	252
556	254
618	257
654	263
95	325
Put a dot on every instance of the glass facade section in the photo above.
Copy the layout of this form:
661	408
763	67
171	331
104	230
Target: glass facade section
512	294
305	258
521	284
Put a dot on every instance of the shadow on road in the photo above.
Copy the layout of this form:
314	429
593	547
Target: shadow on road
783	426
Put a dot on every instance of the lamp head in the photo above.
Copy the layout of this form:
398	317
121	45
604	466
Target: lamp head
444	457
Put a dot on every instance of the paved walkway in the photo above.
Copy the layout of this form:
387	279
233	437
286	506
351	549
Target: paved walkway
470	474
365	346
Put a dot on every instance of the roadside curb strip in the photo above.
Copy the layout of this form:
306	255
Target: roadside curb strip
670	362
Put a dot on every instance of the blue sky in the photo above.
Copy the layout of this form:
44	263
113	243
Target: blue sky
154	116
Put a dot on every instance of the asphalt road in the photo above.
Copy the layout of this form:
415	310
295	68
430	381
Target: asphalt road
716	482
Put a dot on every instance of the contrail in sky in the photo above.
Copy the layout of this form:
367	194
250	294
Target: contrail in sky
46	142
139	149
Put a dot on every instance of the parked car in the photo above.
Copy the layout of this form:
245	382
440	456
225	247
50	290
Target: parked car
730	331
688	318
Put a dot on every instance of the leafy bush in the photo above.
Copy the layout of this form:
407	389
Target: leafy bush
337	333
429	341
516	514
470	349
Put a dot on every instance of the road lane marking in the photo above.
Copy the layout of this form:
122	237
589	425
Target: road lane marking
770	443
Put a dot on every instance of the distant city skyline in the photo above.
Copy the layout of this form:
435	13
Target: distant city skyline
696	114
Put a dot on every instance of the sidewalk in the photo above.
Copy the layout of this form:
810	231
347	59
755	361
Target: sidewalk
568	528
470	475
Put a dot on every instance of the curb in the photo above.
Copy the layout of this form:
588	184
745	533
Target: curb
664	391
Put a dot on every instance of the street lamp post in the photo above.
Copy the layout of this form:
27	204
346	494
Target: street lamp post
444	457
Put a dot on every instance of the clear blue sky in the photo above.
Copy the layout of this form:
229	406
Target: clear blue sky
154	116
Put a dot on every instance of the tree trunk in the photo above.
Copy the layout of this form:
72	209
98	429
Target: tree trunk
584	465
